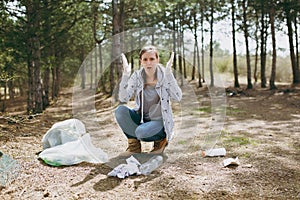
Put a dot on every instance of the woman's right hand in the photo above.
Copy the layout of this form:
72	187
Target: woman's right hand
126	66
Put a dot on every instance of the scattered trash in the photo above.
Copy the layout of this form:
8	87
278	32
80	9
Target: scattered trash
231	162
133	167
247	166
62	132
70	153
214	152
9	169
151	165
124	170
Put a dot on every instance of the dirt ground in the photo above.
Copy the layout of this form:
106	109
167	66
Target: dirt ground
261	128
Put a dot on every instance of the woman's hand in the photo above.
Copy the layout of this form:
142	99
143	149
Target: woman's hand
170	63
126	66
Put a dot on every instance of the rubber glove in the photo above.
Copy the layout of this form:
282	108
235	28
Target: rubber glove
169	64
126	66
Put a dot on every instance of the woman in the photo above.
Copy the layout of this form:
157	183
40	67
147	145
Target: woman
153	86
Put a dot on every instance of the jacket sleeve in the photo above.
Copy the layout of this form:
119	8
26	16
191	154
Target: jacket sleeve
127	87
172	87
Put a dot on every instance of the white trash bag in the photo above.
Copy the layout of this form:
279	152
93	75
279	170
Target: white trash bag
74	152
62	132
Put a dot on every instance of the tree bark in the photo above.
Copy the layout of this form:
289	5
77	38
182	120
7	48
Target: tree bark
46	81
35	102
273	72
235	69
194	59
198	65
212	83
296	78
174	41
246	34
297	39
118	20
30	97
202	42
91	67
262	47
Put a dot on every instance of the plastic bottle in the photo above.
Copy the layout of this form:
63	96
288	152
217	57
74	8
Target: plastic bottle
9	169
152	164
214	152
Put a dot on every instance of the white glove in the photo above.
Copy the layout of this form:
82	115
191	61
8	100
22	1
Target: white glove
170	63
126	66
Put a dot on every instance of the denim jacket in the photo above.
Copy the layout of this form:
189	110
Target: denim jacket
166	87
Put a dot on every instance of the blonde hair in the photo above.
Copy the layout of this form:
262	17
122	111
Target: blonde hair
149	49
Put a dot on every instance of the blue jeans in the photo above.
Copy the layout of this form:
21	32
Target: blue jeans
129	121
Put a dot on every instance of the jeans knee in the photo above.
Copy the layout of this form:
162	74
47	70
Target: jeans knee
139	132
120	111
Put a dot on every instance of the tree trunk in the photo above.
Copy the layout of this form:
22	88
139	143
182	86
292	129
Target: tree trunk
3	108
132	52
90	59
235	69
198	64
194	59
11	92
297	40
46	82
202	42
96	66
256	61
257	46
296	78
212	84
184	62
273	72
116	50
180	48
246	34
102	82
262	47
38	108
57	79
83	75
30	97
35	102
174	42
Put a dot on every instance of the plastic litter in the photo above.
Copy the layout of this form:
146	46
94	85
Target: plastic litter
62	132
124	170
231	162
214	152
74	152
134	167
152	164
9	169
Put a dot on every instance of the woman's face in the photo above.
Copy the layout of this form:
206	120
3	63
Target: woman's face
149	62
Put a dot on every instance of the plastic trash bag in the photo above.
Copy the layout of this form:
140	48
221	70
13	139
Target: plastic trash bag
74	152
9	169
62	132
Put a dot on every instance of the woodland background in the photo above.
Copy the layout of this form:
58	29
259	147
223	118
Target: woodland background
46	46
43	43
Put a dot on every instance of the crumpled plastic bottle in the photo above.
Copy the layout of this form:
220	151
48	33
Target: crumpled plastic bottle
152	164
9	169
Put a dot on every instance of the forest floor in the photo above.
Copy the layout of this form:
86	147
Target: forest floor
261	128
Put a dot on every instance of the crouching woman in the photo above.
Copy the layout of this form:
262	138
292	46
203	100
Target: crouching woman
151	120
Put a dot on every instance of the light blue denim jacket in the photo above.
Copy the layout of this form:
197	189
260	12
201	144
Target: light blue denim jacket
167	89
